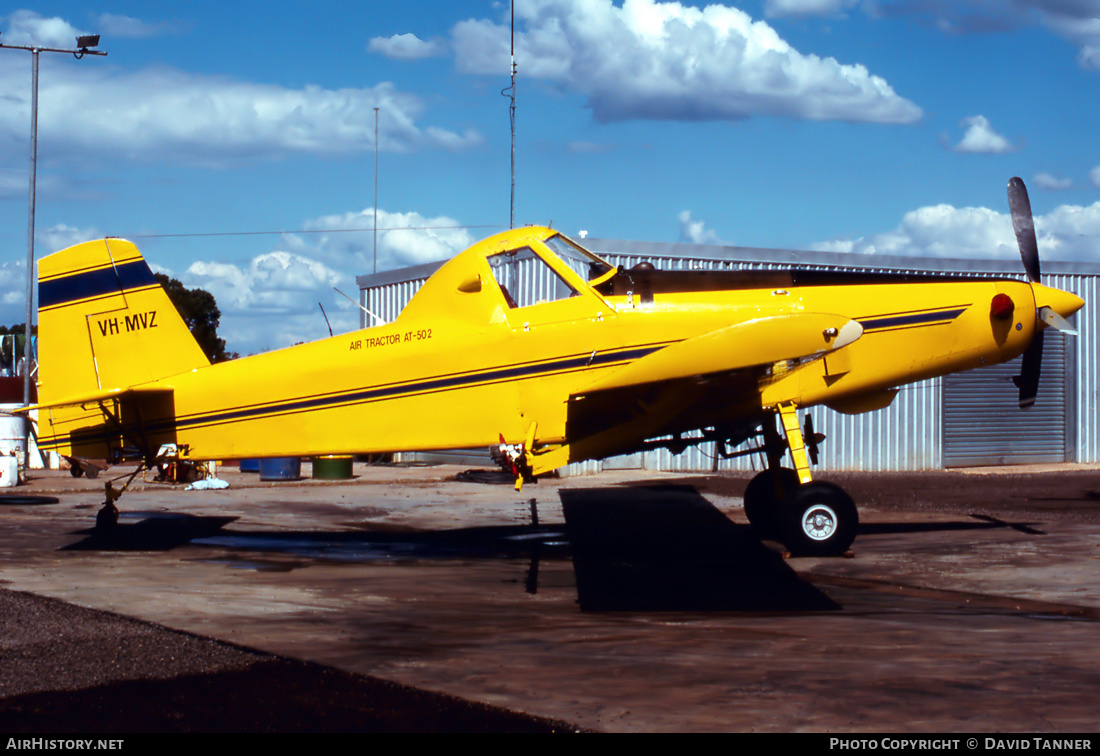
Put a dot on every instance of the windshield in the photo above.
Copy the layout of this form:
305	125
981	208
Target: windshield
584	263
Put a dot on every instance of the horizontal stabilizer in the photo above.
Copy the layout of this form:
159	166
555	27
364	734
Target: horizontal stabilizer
762	341
93	397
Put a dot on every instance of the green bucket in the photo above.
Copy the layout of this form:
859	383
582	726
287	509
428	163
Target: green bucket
332	468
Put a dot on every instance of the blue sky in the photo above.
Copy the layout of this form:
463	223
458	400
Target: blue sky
888	126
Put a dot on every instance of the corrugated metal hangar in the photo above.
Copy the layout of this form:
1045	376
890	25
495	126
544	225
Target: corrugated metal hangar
965	419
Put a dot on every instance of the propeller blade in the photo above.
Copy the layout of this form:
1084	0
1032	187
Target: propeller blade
1056	321
1024	226
1028	379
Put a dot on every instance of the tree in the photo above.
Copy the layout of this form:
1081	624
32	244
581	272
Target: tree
200	312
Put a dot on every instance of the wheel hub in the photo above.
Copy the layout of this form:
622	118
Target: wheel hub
819	522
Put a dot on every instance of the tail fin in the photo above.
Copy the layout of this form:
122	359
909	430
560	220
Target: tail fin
104	323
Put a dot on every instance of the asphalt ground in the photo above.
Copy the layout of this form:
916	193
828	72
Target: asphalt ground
406	600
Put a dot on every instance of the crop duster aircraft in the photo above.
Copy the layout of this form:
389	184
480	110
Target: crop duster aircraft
613	361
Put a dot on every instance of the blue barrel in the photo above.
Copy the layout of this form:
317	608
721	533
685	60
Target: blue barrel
250	465
281	468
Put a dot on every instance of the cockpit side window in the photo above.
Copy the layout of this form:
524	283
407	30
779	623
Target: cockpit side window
525	279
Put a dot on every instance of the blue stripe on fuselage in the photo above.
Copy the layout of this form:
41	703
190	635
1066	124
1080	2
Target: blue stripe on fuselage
908	319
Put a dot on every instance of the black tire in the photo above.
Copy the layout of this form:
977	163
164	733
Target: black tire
106	518
76	470
762	503
819	520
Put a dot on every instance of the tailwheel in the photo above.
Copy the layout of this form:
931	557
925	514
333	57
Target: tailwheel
763	498
819	519
107	516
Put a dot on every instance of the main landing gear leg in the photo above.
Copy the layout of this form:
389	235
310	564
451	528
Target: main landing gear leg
811	518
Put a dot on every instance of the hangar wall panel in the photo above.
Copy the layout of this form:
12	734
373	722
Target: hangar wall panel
1085	349
983	422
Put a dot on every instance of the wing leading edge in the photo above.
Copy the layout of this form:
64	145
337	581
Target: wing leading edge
759	342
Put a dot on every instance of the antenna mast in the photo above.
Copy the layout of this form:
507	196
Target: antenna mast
376	190
512	118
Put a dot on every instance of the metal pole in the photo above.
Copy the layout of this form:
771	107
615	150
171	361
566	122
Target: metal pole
30	260
512	119
84	43
375	191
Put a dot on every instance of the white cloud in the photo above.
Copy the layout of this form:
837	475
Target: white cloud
13	293
157	112
581	147
26	27
272	302
667	61
1070	232
290	282
346	241
407	47
696	232
981	138
61	236
114	26
163	113
1047	181
13	273
1076	21
273	282
807	7
14	183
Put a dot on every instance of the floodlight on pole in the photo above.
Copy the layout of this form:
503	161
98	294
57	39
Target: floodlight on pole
83	44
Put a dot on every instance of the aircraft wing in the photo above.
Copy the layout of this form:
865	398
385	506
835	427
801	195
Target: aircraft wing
761	341
691	383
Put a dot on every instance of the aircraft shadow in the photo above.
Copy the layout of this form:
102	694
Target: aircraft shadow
490	542
666	548
155	531
988	522
162	532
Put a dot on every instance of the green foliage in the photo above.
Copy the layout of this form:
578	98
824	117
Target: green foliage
200	312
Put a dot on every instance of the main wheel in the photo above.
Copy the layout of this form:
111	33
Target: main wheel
762	503
819	520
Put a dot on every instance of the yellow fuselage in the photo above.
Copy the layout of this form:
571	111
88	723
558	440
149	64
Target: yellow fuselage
577	377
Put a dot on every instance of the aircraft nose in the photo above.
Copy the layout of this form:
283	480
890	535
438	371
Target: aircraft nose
1064	303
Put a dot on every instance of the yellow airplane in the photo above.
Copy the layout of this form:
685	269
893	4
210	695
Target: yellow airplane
612	361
